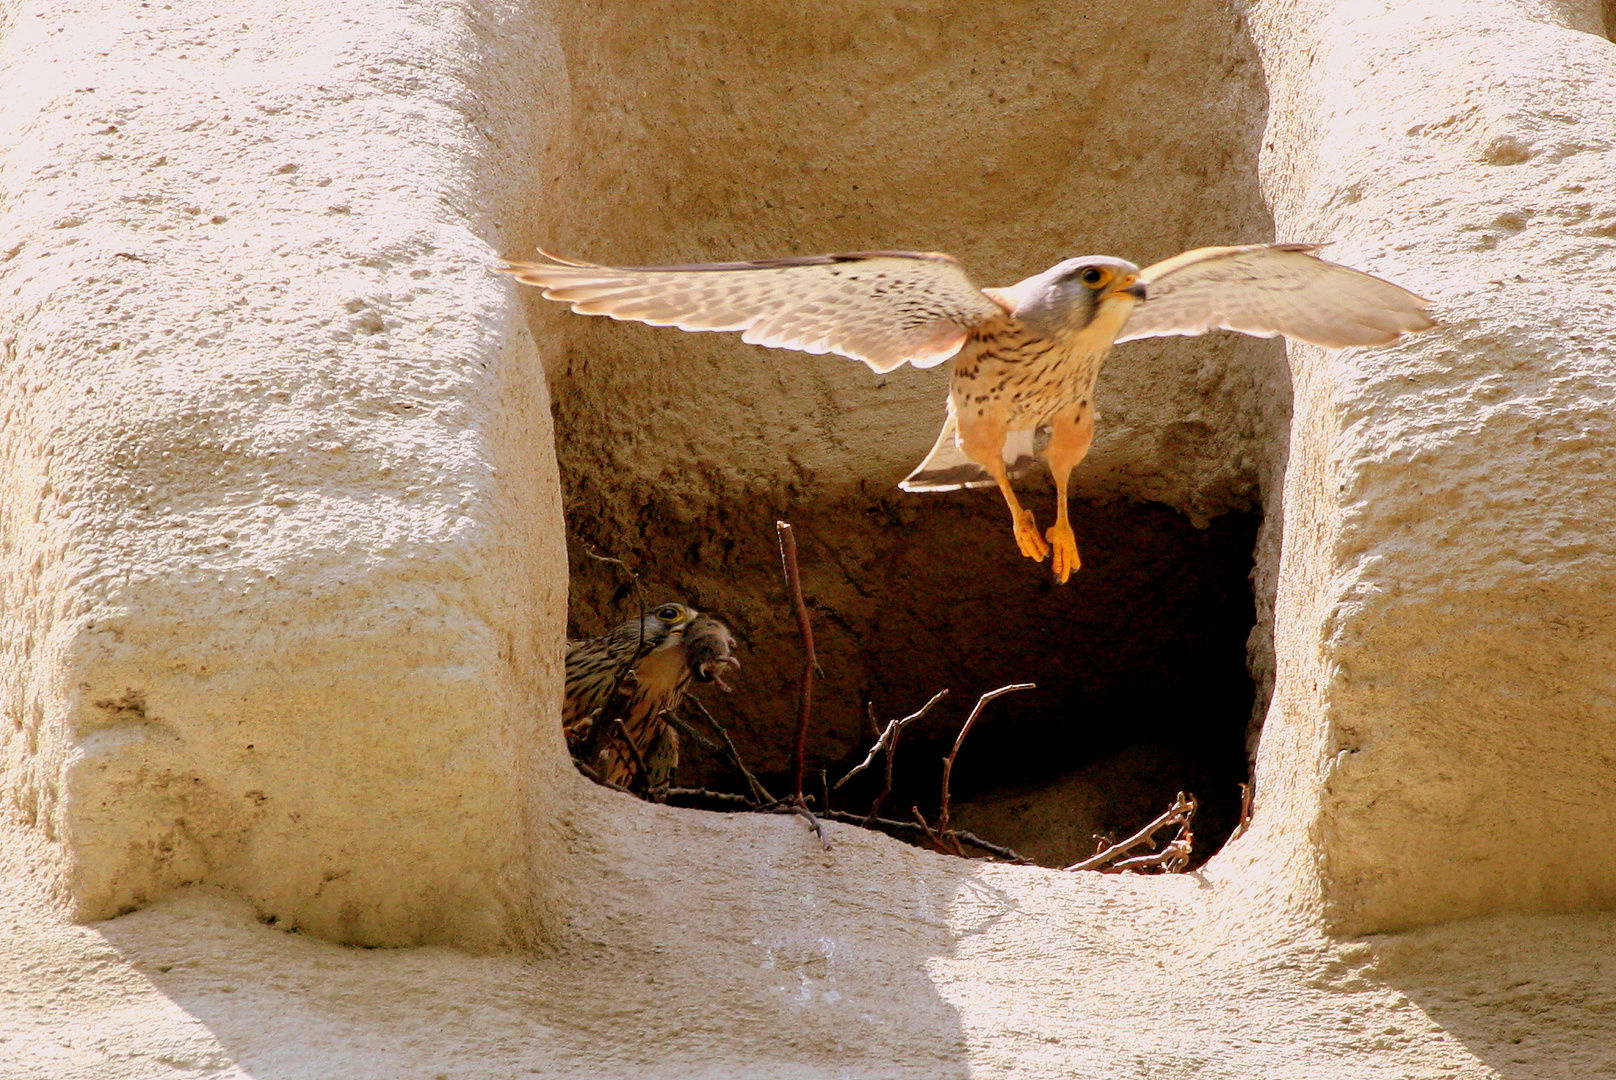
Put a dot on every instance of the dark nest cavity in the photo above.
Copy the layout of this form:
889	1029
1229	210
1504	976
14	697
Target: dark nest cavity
1139	663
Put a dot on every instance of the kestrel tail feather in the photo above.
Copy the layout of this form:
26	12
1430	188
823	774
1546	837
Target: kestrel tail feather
947	468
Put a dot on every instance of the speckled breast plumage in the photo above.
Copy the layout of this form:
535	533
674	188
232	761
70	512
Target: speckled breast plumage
1006	365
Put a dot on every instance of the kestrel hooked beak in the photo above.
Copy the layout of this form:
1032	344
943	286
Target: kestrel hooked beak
1025	357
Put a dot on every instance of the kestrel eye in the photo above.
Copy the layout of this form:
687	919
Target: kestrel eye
668	613
1092	276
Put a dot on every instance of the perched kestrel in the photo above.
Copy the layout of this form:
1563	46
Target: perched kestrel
1025	357
649	662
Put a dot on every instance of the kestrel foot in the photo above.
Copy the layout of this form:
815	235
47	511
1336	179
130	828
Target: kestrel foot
1064	545
1032	545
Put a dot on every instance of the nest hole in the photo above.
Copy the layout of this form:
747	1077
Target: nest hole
1139	662
984	130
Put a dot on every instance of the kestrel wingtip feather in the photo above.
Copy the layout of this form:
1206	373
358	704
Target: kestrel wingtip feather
564	261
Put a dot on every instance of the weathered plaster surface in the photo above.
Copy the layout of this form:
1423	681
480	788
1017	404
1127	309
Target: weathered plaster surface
1445	594
281	576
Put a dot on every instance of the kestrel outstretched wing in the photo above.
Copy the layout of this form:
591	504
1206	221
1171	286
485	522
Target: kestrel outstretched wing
1269	289
882	307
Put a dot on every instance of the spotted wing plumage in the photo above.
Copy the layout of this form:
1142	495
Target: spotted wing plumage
1270	289
885	308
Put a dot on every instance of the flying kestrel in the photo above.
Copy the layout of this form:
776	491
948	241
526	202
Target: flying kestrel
1025	357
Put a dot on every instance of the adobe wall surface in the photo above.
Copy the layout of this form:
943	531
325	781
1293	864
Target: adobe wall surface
283	575
700	131
1444	602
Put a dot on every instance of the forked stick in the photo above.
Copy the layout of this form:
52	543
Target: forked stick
948	762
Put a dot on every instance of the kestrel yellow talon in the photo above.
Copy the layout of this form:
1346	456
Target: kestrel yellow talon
1025	357
1032	545
1064	546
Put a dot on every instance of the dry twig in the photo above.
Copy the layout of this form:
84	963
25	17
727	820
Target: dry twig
936	841
601	780
708	795
1000	850
888	737
913	827
1247	791
813	822
948	843
948	762
788	560
641	769
591	744
683	727
1172	858
895	729
758	789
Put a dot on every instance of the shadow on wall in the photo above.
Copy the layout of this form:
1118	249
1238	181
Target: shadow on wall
1528	995
833	977
714	131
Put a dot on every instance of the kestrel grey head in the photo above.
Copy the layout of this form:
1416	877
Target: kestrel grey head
1070	296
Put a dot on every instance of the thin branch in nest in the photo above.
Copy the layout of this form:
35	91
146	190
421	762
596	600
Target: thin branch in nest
889	736
601	780
948	762
641	769
887	741
869	719
683	727
1171	859
813	822
614	560
933	836
788	560
756	785
633	580
992	849
886	778
912	827
920	819
704	794
591	744
1248	790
